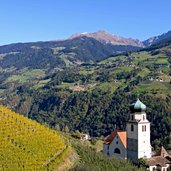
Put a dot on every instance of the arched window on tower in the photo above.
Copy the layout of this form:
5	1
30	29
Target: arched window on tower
143	128
143	117
132	117
132	127
117	151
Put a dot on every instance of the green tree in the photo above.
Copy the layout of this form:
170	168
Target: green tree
66	129
57	127
142	162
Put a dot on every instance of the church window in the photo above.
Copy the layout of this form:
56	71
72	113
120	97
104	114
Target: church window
143	128
143	117
132	127
132	117
116	142
117	151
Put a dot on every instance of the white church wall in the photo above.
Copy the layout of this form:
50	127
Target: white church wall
144	146
138	116
151	168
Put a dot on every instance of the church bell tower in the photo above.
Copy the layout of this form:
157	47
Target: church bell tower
138	133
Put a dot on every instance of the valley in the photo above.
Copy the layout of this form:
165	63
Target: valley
85	85
87	96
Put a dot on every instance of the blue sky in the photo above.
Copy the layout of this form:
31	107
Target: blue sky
39	20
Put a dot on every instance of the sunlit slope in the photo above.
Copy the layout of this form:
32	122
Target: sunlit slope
27	145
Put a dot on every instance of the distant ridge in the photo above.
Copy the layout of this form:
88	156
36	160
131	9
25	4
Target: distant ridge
52	54
77	49
157	39
105	37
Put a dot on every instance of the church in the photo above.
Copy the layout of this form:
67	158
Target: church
134	143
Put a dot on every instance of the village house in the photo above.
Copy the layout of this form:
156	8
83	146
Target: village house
160	161
85	137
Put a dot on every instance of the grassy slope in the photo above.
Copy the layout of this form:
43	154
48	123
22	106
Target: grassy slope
91	160
143	60
27	145
26	76
123	64
153	87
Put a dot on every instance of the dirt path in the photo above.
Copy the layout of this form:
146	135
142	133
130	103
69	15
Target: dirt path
53	158
68	162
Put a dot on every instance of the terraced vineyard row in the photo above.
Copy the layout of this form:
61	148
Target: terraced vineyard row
27	145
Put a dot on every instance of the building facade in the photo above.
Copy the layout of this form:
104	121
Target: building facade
138	133
134	143
136	137
115	145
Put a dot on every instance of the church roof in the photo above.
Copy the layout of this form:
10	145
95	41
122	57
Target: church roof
138	106
162	152
110	137
121	134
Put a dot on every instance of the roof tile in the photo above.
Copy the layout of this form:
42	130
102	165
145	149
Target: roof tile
121	134
158	160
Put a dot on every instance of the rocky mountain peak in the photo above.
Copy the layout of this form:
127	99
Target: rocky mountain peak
106	37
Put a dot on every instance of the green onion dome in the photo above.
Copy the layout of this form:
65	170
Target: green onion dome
138	106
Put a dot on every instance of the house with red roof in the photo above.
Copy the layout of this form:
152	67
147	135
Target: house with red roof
115	144
134	143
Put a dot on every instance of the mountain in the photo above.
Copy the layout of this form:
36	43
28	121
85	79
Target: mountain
28	145
58	83
74	85
157	39
108	38
58	53
105	37
94	97
77	49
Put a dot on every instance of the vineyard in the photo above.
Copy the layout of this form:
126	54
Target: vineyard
27	145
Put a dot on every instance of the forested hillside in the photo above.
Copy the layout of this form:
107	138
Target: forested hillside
27	145
94	97
54	54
